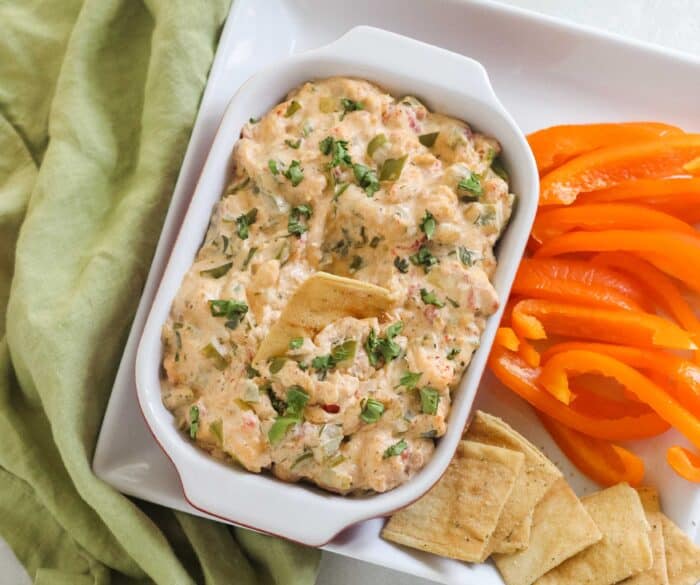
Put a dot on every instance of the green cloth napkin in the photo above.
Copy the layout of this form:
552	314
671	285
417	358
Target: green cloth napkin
97	101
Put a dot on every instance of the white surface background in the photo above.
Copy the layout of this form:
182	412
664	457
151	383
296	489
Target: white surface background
672	23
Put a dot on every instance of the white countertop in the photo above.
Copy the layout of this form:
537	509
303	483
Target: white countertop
672	23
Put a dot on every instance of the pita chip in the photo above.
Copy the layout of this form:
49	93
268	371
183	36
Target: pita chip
458	516
682	556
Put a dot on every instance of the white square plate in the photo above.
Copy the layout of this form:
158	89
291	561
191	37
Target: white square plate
545	72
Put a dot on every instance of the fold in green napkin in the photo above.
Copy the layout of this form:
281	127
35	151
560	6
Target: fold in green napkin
97	101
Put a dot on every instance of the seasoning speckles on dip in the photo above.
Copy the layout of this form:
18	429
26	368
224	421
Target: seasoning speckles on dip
346	179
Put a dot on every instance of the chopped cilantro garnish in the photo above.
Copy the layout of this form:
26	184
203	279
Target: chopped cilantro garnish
471	184
429	399
428	140
218	271
293	107
429	298
296	342
401	264
243	223
232	310
367	179
272	165
428	224
466	256
294	224
383	349
372	410
280	427
297	399
453	353
293	143
340	353
338	149
294	173
396	449
410	379
194	421
349	105
423	258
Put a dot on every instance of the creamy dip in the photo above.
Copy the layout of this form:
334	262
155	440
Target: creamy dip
342	178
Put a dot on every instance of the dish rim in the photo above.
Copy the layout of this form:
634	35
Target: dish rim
149	397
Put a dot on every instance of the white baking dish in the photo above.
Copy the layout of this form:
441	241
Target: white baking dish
447	83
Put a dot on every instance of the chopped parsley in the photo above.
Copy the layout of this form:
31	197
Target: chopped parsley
297	399
372	410
272	165
295	226
366	178
293	143
466	256
410	379
428	140
293	107
429	400
243	223
218	271
453	353
349	105
472	185
194	421
401	264
423	258
383	349
340	353
429	298
294	173
232	310
428	225
338	149
296	342
395	449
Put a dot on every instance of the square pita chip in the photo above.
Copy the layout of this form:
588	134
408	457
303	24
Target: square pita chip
657	575
536	477
457	517
624	549
561	528
682	556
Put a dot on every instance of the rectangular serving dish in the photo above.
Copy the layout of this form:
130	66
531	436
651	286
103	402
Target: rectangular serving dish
402	66
545	72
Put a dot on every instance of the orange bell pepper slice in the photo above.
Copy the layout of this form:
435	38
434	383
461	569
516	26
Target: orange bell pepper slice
529	353
515	374
555	377
680	377
685	463
604	216
578	282
609	166
679	197
675	253
590	401
605	463
559	144
693	167
533	318
659	287
507	338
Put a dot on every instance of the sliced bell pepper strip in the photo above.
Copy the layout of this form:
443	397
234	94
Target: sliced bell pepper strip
660	288
680	377
579	282
533	318
609	166
515	374
693	167
506	337
529	353
675	253
685	463
604	216
555	377
605	463
590	401
558	144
